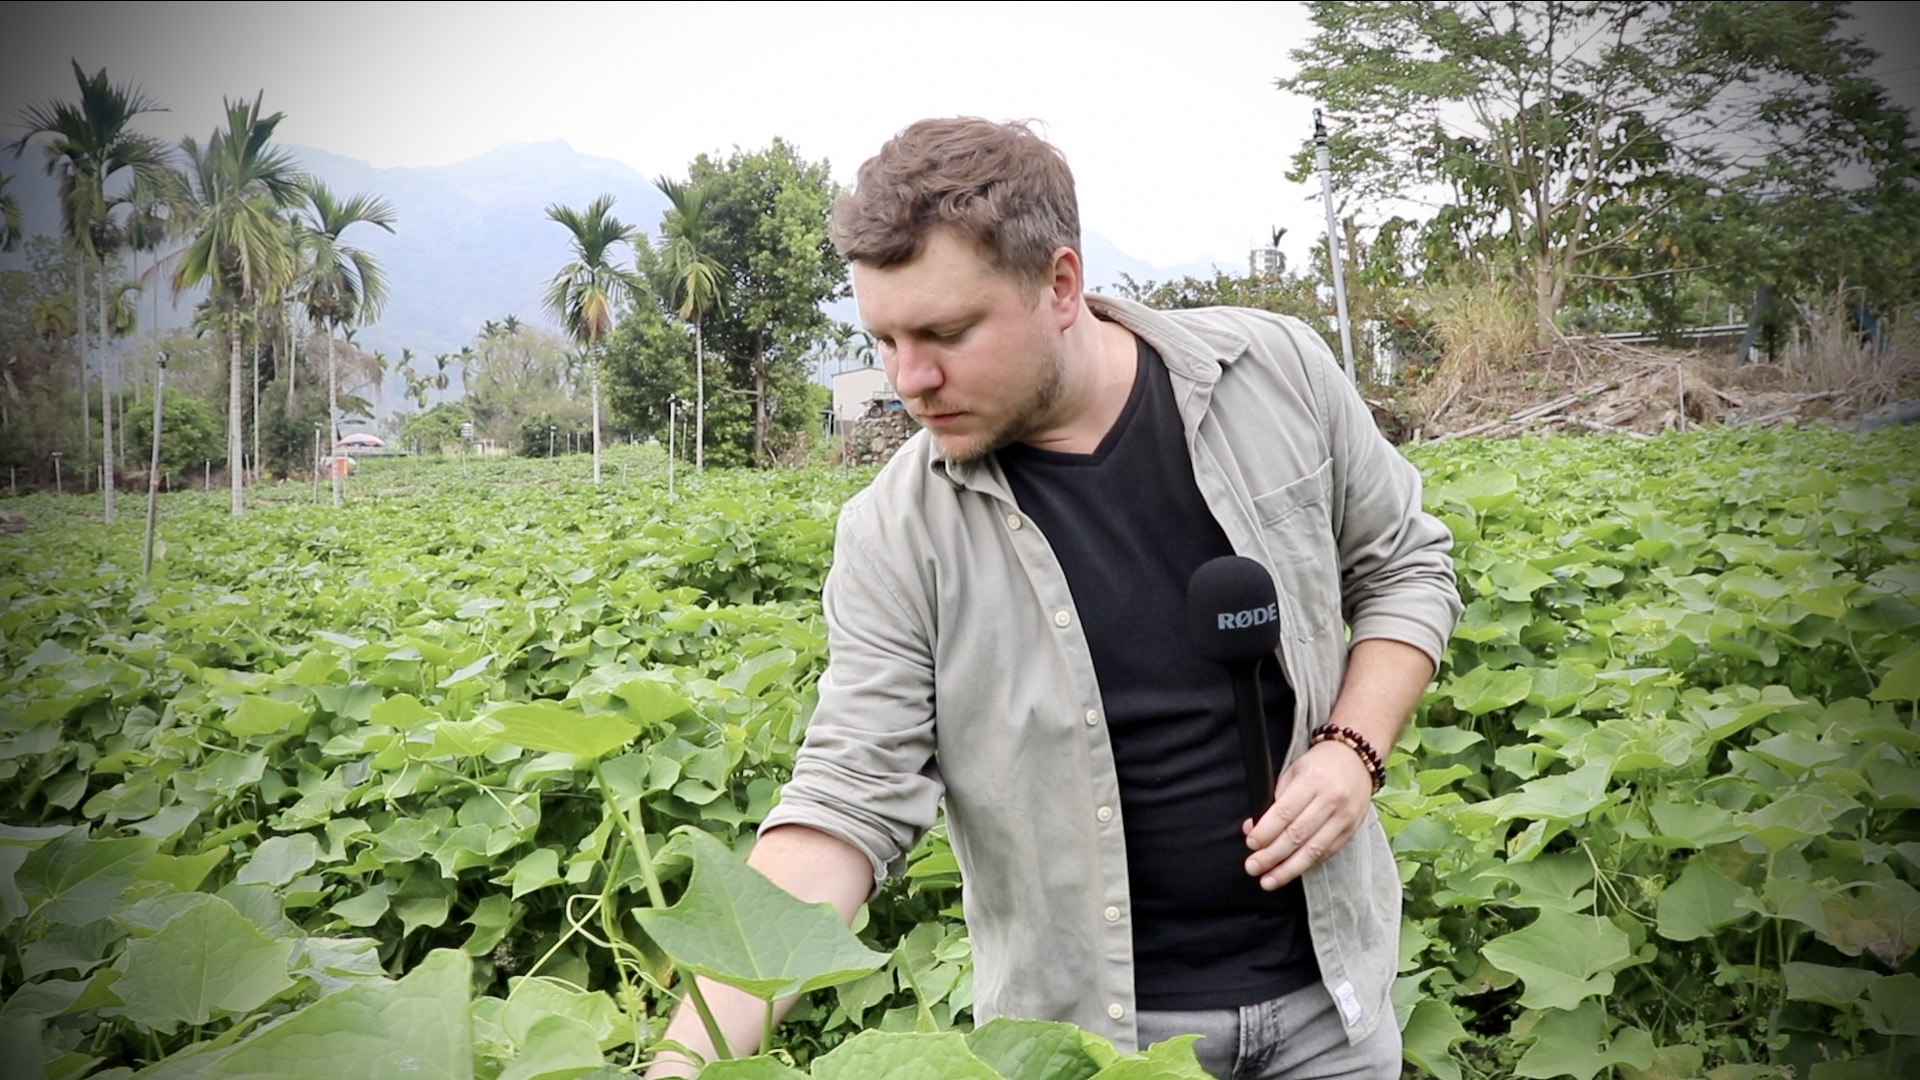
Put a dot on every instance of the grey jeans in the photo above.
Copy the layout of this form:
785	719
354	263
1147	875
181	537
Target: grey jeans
1289	1038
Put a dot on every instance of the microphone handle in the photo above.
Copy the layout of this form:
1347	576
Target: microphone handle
1254	749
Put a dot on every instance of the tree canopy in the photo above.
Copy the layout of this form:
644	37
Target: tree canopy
763	218
1597	144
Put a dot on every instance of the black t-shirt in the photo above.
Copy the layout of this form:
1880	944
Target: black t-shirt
1129	527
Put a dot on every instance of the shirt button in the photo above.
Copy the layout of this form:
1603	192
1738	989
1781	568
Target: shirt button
1061	618
1105	813
1113	914
1013	521
1093	717
1116	1010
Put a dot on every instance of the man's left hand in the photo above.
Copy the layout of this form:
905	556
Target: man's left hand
1319	802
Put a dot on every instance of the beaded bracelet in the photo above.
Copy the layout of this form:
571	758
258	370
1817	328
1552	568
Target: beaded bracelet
1353	740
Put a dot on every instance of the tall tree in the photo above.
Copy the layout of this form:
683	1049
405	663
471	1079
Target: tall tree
10	221
343	286
768	231
1565	134
89	145
586	292
694	279
241	246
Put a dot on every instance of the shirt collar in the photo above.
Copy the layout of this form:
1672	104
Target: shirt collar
1194	352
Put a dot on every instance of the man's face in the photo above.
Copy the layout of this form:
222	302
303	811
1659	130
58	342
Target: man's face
974	353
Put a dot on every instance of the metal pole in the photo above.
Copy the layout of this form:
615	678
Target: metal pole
673	418
58	489
153	469
1323	160
206	475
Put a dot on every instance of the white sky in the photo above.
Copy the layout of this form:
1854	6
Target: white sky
1175	133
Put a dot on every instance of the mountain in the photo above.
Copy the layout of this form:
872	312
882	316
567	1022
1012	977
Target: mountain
471	240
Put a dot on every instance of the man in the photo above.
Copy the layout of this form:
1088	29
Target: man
1007	632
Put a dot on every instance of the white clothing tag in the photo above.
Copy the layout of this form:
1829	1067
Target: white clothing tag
1349	1003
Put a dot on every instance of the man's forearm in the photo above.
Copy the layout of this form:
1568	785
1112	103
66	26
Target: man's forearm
1324	794
816	868
1382	686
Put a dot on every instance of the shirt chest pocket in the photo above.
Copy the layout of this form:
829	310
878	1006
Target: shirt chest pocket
1296	523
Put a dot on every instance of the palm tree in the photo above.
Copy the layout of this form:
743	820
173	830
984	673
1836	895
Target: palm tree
240	246
10	223
92	142
687	252
585	292
344	286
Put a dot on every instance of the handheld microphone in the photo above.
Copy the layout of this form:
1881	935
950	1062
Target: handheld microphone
1234	615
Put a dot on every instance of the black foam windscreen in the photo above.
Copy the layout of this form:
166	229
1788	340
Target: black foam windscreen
1233	609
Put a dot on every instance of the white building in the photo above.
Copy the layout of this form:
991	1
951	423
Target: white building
857	389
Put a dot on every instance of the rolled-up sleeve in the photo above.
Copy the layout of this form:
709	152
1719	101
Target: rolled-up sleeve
1396	565
866	771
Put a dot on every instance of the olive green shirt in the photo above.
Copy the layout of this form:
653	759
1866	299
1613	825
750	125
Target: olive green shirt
958	669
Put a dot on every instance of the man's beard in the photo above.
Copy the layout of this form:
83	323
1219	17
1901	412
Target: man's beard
1017	426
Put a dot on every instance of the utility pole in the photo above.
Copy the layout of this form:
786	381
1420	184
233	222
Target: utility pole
1323	160
153	467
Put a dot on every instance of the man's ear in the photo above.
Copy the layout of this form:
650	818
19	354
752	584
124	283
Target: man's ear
1066	283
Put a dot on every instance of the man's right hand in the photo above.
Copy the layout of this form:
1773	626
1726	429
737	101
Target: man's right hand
815	867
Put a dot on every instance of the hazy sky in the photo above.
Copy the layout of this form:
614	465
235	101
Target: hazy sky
1171	122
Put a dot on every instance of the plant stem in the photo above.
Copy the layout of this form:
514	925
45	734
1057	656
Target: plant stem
635	832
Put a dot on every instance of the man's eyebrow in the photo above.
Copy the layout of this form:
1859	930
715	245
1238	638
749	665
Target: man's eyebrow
956	321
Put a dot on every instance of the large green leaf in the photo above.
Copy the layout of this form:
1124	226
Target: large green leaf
763	1067
1562	881
280	859
903	1056
1562	958
1902	683
1032	1049
735	926
1694	824
554	1048
1893	1005
1878	917
1789	820
417	1028
1836	986
1428	1038
1701	901
1560	687
651	699
255	714
74	880
206	961
1560	797
533	999
1484	690
1171	1059
539	725
1576	1044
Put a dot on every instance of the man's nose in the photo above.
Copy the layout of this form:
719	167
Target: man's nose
915	371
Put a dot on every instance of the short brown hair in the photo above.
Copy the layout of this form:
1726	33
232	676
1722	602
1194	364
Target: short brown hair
1000	185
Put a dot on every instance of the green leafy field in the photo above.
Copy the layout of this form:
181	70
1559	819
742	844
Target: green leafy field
446	781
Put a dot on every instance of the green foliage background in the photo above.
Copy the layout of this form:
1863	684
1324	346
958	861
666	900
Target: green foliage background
381	773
